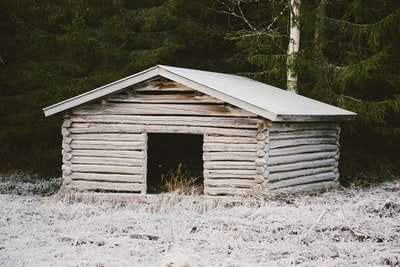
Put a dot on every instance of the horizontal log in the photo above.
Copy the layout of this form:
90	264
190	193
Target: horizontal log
164	98
215	191
169	120
110	153
275	160
230	165
65	132
66	170
238	183
66	148
66	123
303	134
259	179
303	165
229	139
229	147
277	176
108	177
163	109
67	140
226	156
108	161
300	141
107	169
300	126
250	172
321	177
303	149
107	145
110	137
84	128
106	186
310	187
261	161
160	86
262	137
229	176
67	156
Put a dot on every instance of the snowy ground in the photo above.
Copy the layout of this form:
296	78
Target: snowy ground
350	227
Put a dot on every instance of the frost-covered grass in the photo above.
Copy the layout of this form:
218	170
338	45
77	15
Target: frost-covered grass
28	184
347	227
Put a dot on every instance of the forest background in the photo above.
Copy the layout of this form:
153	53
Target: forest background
349	56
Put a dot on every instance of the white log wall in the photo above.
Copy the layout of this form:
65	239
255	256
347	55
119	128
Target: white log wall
105	144
303	156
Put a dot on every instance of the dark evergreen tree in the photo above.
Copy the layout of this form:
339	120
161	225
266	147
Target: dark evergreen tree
52	50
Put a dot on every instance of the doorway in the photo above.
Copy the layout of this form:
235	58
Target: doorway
172	156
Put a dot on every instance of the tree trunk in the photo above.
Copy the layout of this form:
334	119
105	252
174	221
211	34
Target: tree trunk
294	44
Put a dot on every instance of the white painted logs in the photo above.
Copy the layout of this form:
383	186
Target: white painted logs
261	161
303	156
104	162
105	144
229	166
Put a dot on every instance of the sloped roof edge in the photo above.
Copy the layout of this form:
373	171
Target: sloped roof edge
101	91
264	100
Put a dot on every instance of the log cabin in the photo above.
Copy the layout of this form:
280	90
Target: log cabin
233	133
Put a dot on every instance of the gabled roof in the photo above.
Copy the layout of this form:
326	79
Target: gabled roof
264	100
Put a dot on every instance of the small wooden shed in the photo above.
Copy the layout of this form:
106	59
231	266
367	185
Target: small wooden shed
236	133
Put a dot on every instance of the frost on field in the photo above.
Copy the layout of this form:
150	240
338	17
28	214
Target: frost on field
348	227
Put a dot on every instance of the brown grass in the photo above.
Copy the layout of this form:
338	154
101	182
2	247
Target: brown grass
179	180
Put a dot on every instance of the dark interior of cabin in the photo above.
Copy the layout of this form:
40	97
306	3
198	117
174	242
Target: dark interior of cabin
174	156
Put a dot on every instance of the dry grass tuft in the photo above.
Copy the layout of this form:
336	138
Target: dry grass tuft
180	180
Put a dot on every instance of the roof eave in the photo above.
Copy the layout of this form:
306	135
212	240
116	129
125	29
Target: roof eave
315	118
101	91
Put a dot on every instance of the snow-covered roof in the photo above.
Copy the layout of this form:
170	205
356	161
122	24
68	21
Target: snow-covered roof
262	99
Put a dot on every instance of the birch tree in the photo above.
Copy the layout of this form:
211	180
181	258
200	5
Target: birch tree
294	45
270	33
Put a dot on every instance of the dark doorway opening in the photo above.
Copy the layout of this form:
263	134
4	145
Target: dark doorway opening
173	155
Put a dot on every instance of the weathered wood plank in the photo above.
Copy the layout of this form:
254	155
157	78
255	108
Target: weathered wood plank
230	165
303	134
86	128
106	186
302	149
245	173
161	86
164	98
238	183
228	175
107	169
163	109
169	120
108	177
108	161
107	145
300	141
301	157
277	176
285	127
229	139
321	177
109	153
109	137
229	147
303	165
239	156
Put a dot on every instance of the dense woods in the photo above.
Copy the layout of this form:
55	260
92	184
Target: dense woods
349	56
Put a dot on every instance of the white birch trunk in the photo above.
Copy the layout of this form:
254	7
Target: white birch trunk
294	44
